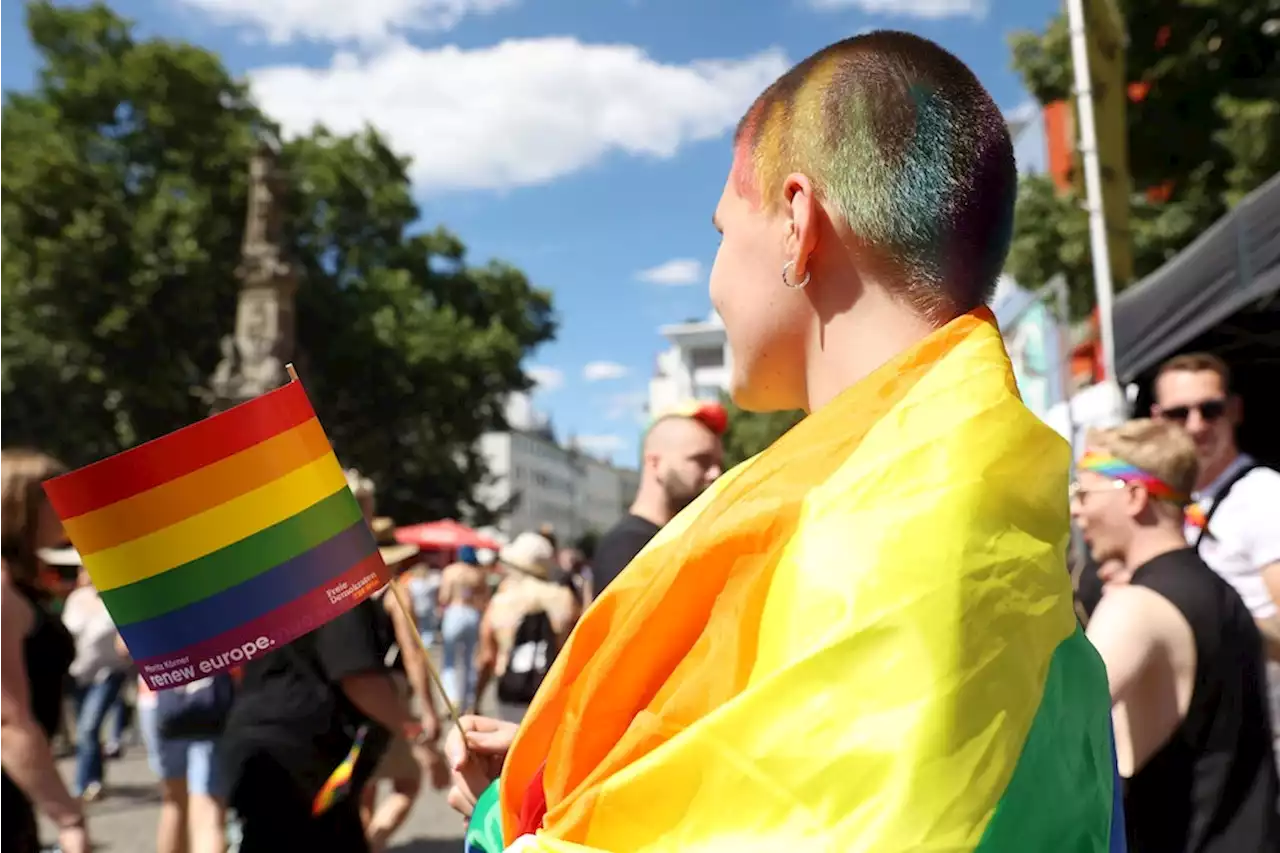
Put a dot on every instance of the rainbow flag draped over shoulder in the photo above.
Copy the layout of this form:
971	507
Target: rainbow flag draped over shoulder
862	639
214	543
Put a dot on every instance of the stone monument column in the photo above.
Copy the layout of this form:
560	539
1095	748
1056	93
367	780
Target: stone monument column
254	356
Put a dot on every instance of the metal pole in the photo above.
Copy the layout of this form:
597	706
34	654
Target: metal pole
1093	185
1063	306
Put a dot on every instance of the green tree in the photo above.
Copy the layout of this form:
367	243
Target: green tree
124	194
751	432
1205	132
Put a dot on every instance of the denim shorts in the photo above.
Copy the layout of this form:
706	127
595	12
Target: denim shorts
192	760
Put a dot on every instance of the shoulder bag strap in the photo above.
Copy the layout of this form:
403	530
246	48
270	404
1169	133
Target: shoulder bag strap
1219	497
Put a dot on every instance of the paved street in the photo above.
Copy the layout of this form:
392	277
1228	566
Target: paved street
125	820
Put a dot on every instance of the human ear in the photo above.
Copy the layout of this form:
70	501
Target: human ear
800	217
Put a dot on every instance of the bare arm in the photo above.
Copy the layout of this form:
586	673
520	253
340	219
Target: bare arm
375	694
565	615
24	749
486	655
444	595
415	662
1270	628
1125	641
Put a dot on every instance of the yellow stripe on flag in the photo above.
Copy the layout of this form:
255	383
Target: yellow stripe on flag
216	528
859	626
201	490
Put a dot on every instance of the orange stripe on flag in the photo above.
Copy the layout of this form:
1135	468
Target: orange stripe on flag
202	489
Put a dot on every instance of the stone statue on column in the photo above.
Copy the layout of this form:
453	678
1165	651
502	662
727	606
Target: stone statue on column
253	357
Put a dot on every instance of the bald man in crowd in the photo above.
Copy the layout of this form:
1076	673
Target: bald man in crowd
681	457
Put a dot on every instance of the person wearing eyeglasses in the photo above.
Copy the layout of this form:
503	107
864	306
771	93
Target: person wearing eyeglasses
1183	655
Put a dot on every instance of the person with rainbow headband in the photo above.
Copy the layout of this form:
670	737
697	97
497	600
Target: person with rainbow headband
863	638
1184	657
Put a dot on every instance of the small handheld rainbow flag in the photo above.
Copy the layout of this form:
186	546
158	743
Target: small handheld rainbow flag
215	543
339	780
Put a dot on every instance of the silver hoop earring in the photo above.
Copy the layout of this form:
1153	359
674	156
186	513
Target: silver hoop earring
799	285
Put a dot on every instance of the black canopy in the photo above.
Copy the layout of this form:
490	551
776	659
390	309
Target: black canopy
1233	267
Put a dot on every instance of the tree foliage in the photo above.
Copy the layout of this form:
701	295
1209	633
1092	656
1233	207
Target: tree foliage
124	201
749	433
1205	132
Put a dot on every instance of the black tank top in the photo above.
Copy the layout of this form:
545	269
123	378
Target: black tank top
1212	788
47	651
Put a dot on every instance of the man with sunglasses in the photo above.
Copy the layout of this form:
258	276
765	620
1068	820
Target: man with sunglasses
1234	520
1183	657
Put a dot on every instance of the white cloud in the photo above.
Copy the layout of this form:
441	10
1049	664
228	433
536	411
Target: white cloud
518	113
602	445
674	272
545	378
596	371
909	8
365	21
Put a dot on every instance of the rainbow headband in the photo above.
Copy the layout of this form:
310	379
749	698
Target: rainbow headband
1117	469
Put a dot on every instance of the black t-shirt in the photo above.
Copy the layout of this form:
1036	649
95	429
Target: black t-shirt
619	547
290	705
1212	787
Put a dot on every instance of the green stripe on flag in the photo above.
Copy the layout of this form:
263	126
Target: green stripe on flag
1061	795
234	564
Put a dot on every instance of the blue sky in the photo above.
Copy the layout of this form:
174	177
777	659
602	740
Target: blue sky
585	142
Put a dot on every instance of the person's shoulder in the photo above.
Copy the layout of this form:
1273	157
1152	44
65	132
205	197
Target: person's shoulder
627	526
1260	484
1134	610
16	608
624	540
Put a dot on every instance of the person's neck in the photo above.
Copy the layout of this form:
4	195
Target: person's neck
1213	470
651	505
1152	542
852	344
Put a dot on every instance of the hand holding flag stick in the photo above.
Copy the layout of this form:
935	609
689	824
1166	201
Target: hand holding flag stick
405	610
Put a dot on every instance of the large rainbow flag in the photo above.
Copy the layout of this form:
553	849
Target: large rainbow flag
860	640
217	542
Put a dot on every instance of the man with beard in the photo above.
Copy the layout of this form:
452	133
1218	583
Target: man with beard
682	456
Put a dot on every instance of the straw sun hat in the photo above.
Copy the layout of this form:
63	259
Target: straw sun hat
529	553
393	552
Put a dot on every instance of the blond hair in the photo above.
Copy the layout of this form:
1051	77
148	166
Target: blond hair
1161	449
21	501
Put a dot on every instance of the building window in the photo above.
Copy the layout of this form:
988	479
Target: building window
706	357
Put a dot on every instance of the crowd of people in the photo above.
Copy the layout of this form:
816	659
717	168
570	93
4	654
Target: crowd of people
877	327
490	618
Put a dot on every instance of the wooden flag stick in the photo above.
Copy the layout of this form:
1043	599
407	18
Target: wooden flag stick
405	610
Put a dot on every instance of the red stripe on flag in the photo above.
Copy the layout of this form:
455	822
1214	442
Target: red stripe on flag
179	453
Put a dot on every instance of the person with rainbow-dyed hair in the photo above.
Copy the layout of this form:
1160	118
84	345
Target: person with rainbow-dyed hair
1184	657
863	638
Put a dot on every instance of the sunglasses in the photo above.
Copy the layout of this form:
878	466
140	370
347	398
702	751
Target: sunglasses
1210	410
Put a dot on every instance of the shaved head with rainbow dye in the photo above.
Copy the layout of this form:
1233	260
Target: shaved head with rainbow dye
902	164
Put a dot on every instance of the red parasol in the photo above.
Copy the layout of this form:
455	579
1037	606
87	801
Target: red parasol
446	534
